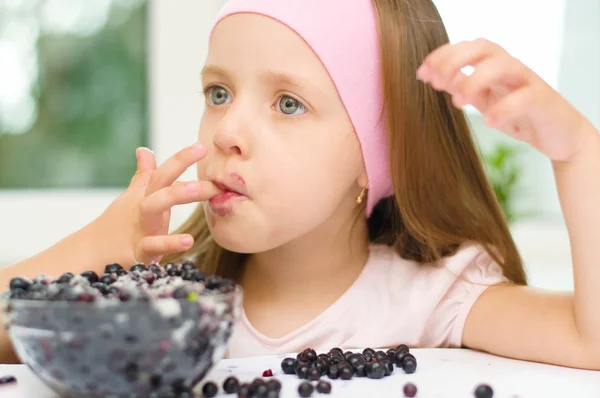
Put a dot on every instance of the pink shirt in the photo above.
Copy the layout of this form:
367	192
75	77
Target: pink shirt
393	301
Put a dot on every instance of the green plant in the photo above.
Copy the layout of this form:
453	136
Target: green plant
504	172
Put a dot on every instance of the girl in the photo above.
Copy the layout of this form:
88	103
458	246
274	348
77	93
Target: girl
341	188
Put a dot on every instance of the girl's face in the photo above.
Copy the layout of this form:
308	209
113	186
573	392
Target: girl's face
278	134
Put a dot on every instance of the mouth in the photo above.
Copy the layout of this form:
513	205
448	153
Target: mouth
233	192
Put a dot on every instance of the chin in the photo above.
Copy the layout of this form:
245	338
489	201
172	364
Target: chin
236	234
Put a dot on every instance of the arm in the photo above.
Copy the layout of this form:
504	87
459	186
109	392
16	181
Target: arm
531	324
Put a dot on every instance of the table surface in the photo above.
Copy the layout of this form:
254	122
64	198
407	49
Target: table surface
440	373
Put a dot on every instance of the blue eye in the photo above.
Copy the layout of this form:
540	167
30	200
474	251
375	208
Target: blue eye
218	96
291	106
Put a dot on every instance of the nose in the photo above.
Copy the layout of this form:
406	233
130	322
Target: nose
229	137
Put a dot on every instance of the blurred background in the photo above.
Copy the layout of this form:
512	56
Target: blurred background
84	83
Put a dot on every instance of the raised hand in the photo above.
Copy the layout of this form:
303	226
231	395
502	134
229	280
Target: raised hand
511	96
137	222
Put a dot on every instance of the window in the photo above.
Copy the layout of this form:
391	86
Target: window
73	99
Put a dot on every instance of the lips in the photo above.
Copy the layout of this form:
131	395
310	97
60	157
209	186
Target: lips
234	190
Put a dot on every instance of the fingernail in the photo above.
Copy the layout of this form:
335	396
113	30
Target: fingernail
137	153
197	147
187	240
422	72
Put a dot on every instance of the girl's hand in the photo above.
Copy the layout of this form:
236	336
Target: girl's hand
511	96
136	224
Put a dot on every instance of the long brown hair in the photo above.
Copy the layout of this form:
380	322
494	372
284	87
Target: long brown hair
442	197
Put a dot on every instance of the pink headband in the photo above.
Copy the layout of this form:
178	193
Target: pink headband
345	38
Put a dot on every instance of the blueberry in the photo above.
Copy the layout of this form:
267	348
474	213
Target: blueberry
131	371
375	370
213	282
112	268
287	366
346	373
199	276
210	389
302	372
305	389
91	276
369	351
391	353
19	283
336	349
8	380
314	374
121	272
101	287
380	356
409	364
139	267
261	390
399	358
333	372
403	348
311	354
155	381
273	394
323	357
107	279
180	292
244	391
368	357
274	385
231	385
410	390
65	278
188	266
388	366
355	359
483	391
156	269
324	387
360	370
174	272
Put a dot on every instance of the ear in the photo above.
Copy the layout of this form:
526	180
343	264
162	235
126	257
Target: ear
362	179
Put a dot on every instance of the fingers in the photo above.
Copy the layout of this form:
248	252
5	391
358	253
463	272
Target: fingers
493	78
146	164
175	166
441	65
155	205
158	246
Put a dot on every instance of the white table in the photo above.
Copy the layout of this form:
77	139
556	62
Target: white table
440	373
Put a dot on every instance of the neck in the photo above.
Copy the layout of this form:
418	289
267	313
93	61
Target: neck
324	262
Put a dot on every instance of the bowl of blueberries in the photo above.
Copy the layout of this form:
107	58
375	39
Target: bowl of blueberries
150	331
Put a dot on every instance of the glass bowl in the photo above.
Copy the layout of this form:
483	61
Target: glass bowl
161	347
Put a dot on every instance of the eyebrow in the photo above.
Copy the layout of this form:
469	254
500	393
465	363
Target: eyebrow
271	76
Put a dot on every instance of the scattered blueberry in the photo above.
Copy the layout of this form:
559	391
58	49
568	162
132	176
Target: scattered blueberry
403	348
274	385
314	374
375	370
231	385
483	391
410	390
324	387
287	366
346	373
8	380
409	364
210	389
305	389
391	353
369	351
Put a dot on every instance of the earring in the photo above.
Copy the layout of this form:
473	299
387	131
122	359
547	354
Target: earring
362	194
